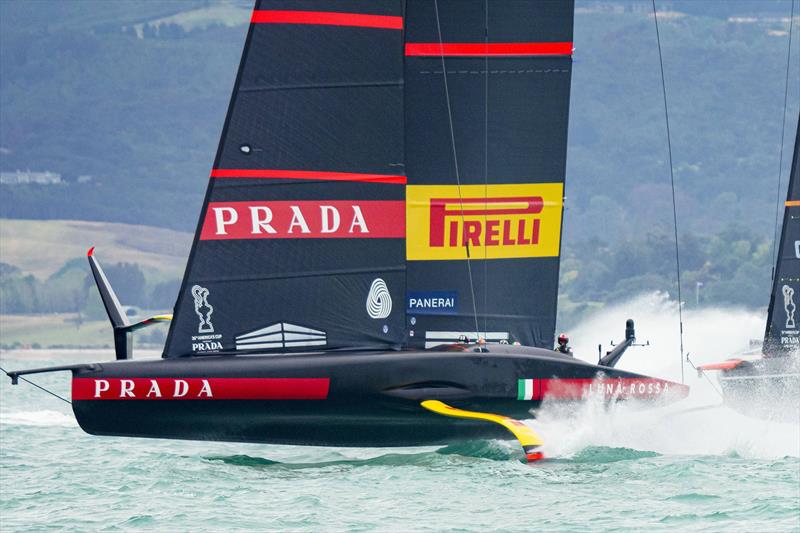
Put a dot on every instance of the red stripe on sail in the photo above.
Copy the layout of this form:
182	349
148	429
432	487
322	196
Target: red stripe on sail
327	18
306	219
268	173
200	388
489	49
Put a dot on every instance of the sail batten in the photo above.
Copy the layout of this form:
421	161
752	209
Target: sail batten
326	18
306	175
489	49
339	85
304	274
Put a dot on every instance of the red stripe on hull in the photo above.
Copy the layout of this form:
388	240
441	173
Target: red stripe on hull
488	49
266	173
200	388
622	388
327	18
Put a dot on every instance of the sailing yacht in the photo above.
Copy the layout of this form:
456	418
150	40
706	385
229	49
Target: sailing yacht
376	259
767	383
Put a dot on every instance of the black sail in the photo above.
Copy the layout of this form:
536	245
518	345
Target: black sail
782	336
300	243
487	86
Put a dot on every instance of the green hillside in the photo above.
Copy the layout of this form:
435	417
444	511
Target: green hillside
53	330
129	94
42	247
133	96
47	296
126	100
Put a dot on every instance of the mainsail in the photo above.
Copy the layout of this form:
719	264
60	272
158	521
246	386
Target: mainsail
309	238
300	243
486	102
782	336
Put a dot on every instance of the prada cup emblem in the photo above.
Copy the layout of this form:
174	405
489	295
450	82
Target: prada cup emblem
379	301
203	309
788	306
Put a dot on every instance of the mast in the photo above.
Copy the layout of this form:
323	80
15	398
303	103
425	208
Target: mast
782	335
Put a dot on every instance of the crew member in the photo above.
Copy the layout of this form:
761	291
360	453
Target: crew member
563	344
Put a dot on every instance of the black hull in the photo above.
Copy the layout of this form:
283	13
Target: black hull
764	388
360	399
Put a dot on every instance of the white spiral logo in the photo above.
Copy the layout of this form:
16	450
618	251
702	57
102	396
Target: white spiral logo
379	302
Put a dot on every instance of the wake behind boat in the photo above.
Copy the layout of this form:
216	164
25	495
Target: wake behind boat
376	262
767	383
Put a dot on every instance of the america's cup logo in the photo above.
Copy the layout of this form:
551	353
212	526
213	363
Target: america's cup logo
789	306
203	309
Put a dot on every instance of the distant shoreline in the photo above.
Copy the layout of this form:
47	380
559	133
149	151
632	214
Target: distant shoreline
77	355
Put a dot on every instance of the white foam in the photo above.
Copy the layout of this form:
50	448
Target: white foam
686	427
710	334
38	418
672	430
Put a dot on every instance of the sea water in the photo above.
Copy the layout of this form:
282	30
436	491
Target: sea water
690	466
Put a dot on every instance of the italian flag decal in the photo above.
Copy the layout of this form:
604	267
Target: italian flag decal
525	389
